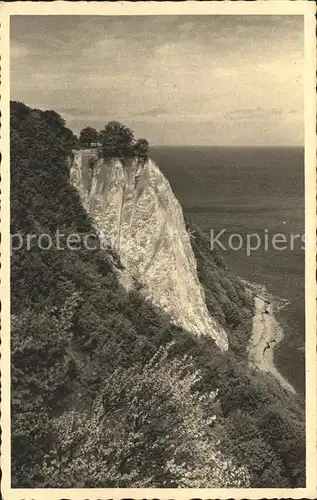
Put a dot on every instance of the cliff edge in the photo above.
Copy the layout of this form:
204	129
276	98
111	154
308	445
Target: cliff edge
136	213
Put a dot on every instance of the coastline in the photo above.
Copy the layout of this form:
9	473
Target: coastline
266	332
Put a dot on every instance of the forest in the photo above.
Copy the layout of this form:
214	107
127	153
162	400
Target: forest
106	392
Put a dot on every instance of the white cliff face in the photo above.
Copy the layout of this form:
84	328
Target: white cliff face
137	214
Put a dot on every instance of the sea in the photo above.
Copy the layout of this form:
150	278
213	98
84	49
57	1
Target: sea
243	191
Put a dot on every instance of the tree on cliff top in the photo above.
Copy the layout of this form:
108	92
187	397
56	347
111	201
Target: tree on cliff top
141	148
117	140
88	135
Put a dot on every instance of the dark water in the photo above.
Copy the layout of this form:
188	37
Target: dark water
251	190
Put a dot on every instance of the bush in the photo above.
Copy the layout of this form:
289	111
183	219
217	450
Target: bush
151	428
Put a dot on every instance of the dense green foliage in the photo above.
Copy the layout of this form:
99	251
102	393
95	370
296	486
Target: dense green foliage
141	148
226	296
117	140
105	391
88	136
114	140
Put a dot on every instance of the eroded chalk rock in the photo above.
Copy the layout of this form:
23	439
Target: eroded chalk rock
135	211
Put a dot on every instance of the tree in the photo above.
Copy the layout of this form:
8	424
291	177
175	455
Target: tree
42	368
54	120
88	135
141	148
68	137
116	140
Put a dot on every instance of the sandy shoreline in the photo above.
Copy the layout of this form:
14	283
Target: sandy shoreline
266	332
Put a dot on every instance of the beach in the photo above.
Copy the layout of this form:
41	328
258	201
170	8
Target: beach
266	333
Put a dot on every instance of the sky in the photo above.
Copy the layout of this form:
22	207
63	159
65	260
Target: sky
176	80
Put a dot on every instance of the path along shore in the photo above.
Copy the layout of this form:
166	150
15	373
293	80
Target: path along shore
266	333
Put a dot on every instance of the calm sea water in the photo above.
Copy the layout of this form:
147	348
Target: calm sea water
251	190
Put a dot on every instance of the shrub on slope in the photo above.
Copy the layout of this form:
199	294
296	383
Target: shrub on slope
226	296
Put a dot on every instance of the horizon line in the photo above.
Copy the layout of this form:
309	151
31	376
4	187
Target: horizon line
226	146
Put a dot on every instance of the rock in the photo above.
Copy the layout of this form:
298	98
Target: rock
134	209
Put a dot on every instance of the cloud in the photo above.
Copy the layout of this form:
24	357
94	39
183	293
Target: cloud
106	47
250	113
175	79
154	112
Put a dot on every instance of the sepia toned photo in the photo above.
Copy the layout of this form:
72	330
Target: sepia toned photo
160	206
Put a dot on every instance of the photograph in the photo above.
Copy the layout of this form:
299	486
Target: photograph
159	333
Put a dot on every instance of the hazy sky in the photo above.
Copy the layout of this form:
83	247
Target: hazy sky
205	80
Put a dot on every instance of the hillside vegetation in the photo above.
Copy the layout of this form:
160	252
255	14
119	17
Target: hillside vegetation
106	392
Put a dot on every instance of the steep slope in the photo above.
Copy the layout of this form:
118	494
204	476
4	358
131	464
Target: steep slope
122	396
93	361
134	209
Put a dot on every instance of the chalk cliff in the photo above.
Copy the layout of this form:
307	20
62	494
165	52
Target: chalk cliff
135	211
